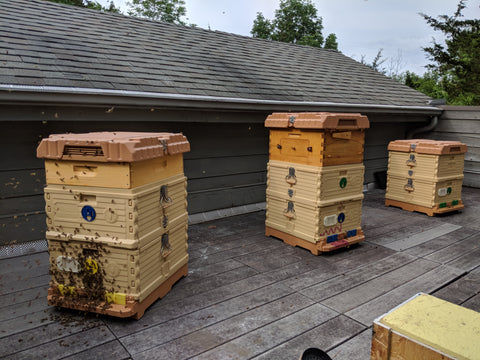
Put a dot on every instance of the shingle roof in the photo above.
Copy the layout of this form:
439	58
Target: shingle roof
47	44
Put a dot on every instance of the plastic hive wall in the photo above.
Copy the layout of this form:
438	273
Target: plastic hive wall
312	184
132	272
129	218
308	221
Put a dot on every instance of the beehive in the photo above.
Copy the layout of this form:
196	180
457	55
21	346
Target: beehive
315	179
319	139
425	327
425	175
116	219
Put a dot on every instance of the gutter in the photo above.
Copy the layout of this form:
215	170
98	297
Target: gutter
432	125
125	98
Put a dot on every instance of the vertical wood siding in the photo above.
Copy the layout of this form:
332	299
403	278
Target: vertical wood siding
462	123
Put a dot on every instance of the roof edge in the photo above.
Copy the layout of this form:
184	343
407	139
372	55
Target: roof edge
126	98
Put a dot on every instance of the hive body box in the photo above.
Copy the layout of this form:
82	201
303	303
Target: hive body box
425	175
315	179
116	219
427	328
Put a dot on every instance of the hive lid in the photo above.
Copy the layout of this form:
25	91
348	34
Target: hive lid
318	120
424	146
112	146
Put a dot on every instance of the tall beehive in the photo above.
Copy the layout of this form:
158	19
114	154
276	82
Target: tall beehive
315	179
116	219
425	175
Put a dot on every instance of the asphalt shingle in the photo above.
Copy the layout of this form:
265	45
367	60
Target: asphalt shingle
44	43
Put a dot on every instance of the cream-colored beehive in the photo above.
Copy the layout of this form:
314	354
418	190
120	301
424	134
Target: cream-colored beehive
315	179
116	219
425	175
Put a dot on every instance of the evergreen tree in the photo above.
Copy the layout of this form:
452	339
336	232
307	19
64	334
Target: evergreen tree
170	11
89	4
457	60
296	21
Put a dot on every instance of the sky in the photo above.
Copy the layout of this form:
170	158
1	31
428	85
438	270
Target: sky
363	27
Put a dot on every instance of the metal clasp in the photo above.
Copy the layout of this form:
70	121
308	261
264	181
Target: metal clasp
411	161
289	212
165	200
166	249
409	186
291	178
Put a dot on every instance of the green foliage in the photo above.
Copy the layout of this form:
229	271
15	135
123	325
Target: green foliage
457	60
331	42
296	21
262	27
89	4
170	11
430	83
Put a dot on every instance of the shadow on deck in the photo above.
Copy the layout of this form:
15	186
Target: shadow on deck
250	296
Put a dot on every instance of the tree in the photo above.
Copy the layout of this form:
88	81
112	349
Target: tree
331	42
429	83
457	60
90	4
170	11
296	21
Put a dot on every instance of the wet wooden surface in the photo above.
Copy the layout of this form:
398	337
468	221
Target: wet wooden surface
249	296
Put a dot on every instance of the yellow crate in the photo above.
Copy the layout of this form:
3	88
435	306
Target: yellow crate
117	217
319	225
319	139
425	327
312	184
124	175
122	282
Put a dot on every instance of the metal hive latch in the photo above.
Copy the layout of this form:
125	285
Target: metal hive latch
291	177
166	248
165	200
289	212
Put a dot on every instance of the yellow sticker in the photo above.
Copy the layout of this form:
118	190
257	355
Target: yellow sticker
91	266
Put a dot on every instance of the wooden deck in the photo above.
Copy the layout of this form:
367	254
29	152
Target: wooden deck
250	296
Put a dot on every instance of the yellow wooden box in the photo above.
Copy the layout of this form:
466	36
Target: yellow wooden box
332	225
427	328
114	279
319	139
425	175
313	184
112	159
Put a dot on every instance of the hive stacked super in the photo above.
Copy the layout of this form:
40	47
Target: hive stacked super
116	219
315	179
425	175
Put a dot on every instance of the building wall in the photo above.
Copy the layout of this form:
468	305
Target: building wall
462	123
226	166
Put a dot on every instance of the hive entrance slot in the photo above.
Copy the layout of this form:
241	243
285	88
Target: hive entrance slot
86	171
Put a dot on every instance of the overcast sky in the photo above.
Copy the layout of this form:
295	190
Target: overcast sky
362	26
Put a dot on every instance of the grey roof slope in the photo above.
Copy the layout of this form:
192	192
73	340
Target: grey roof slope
47	44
